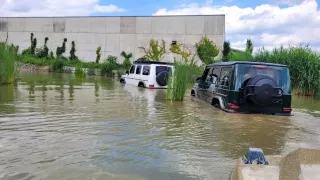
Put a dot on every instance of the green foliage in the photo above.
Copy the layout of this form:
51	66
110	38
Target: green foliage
108	66
57	66
184	52
177	83
79	72
249	46
29	59
33	46
155	52
8	70
62	49
207	50
226	51
51	55
304	66
126	63
240	56
42	52
98	52
73	51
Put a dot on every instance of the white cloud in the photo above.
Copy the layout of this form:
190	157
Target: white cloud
22	8
267	25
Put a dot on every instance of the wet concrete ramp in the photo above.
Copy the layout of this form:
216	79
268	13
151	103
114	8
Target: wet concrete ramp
301	164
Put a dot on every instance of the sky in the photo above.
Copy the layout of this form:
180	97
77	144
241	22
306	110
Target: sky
268	23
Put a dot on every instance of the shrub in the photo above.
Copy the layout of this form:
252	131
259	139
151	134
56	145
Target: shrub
73	51
8	70
79	72
108	66
249	46
185	53
43	52
33	46
126	63
226	51
57	65
51	55
98	52
62	49
206	50
155	52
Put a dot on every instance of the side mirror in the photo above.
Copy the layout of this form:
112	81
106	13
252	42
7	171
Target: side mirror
198	79
127	72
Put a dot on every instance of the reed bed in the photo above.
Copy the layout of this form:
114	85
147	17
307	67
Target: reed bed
303	63
178	82
8	70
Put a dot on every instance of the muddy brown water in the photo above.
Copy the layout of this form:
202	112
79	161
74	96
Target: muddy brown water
54	126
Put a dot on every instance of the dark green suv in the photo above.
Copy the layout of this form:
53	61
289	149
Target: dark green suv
248	87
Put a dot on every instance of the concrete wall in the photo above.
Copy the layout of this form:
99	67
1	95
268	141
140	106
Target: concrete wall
113	34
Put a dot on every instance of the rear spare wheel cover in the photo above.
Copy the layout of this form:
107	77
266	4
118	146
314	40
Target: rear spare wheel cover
162	78
264	90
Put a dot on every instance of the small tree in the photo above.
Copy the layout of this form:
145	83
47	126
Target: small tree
33	46
98	52
226	51
185	53
126	63
62	49
43	51
73	51
249	46
155	51
206	50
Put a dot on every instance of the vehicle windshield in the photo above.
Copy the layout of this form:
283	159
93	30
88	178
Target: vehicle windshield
279	74
160	69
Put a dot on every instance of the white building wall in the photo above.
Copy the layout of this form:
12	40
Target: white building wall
113	34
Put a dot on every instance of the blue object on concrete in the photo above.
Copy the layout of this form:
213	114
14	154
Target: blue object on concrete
255	156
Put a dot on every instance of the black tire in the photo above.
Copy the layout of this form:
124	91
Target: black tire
141	84
162	78
122	81
264	90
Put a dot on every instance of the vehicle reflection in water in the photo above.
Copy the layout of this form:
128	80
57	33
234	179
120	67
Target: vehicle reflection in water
55	126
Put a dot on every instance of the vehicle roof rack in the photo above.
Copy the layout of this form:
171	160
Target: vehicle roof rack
146	61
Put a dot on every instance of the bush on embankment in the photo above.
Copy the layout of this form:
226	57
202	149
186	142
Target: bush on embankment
8	70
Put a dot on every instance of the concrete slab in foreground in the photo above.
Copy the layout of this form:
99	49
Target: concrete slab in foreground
301	164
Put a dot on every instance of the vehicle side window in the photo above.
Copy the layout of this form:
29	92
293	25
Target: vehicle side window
205	74
146	70
132	69
225	78
138	71
209	76
215	74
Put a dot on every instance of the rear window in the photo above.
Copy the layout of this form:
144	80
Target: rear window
160	69
253	71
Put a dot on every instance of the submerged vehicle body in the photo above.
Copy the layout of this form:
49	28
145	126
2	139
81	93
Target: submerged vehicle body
247	87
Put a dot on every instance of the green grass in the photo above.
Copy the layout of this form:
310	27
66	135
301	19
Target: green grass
8	68
178	82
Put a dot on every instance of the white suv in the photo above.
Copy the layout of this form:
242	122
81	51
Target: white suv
148	74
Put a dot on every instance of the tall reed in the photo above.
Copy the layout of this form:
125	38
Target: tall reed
8	70
303	63
178	82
